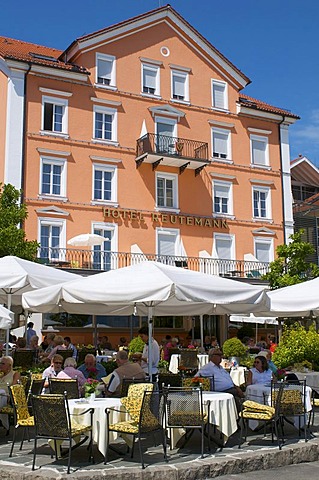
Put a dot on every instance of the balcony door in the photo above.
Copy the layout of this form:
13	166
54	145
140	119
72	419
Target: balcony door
165	135
167	246
102	255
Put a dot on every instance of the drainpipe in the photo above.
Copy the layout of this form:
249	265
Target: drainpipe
24	135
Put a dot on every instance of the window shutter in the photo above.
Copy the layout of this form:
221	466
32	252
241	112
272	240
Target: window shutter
221	191
179	86
220	144
218	95
223	248
259	152
166	244
262	252
104	69
149	78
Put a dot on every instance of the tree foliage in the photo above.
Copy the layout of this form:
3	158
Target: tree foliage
297	345
12	216
291	265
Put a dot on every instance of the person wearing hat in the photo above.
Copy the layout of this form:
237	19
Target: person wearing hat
222	379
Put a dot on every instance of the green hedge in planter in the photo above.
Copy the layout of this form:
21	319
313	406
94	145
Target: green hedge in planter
233	347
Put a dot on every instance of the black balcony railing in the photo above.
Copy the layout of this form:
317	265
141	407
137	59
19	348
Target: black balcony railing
172	147
99	260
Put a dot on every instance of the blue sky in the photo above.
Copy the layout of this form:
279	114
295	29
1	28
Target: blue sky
273	42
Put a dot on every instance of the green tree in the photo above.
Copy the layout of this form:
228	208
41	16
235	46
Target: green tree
291	265
12	216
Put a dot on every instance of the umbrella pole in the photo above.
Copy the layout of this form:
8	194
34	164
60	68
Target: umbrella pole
8	329
94	331
150	336
201	319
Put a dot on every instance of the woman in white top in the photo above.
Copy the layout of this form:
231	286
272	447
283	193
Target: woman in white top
260	373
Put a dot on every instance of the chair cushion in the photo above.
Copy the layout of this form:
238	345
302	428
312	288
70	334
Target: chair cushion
125	427
26	422
133	402
7	410
184	419
256	415
249	405
78	429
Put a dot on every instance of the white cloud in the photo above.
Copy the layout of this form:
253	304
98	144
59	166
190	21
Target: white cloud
309	130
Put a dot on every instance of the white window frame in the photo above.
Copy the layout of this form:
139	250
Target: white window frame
219	83
229	186
264	140
227	135
172	232
267	190
105	111
114	182
265	241
153	68
185	76
53	222
174	178
114	239
60	102
112	60
228	237
61	163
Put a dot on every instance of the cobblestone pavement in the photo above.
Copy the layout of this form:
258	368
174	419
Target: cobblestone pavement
184	463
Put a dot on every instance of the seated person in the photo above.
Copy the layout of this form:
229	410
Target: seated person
9	377
70	371
21	344
267	354
59	345
260	373
69	346
123	344
54	369
91	369
104	343
125	369
222	379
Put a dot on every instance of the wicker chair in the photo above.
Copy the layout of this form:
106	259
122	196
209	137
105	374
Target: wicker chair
207	383
263	413
188	360
34	387
53	421
146	414
168	378
22	417
65	354
293	404
126	382
82	354
184	409
61	385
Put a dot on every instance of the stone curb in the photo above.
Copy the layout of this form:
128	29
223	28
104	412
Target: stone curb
200	469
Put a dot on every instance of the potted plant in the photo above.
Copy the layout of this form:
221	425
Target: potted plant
234	349
136	347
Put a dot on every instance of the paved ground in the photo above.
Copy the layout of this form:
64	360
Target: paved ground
184	464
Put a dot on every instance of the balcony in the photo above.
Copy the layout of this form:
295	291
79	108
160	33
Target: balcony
172	152
90	261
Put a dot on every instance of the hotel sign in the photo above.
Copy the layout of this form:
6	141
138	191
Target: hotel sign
164	218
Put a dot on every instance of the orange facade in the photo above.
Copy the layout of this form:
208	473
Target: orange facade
155	78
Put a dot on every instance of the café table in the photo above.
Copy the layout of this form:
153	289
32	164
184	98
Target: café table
222	413
312	378
174	362
238	375
261	393
99	417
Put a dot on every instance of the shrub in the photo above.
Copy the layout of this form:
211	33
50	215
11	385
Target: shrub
296	346
136	345
233	347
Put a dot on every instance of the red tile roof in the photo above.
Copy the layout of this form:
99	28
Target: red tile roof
36	54
265	107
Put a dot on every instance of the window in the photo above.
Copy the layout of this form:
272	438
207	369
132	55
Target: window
104	183
105	70
259	150
261	202
166	191
180	86
52	239
224	246
105	124
54	115
150	79
219	95
102	256
264	250
222	203
166	133
167	244
221	143
52	180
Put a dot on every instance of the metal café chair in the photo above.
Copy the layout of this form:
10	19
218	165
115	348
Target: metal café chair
61	385
21	415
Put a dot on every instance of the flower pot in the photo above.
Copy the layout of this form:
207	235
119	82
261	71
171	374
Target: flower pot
92	397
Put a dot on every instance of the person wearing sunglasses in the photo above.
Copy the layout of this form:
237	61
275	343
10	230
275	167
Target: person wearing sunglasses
260	373
54	369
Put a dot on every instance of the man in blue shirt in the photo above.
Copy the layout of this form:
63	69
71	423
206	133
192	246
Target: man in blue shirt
92	369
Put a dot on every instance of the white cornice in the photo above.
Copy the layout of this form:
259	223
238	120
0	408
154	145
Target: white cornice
95	158
252	112
264	231
53	211
257	181
221	124
15	65
105	101
179	67
223	176
54	72
55	92
259	130
151	61
55	153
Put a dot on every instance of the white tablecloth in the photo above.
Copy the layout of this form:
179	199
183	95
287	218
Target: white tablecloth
99	417
173	364
259	392
238	375
312	378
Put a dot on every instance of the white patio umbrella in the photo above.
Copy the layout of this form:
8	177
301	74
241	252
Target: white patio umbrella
18	276
6	317
253	319
86	240
300	300
149	288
